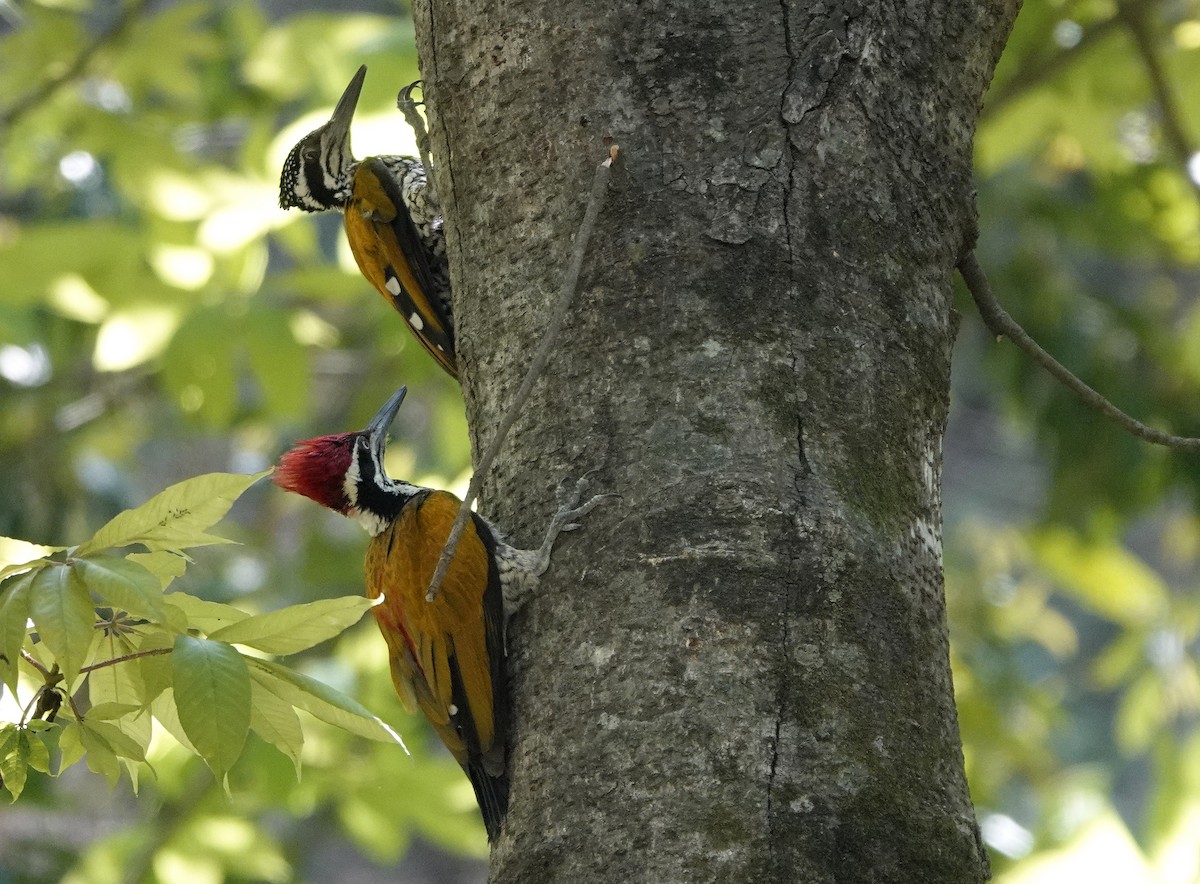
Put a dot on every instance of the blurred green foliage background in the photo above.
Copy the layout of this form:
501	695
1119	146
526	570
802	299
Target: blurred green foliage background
161	318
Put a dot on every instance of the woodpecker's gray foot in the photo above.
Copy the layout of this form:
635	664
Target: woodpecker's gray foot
569	493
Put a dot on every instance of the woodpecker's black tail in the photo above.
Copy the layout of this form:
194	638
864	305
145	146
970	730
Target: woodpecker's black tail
491	793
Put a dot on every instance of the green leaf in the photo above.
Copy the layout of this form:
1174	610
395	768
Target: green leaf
123	584
276	722
320	700
63	614
295	628
176	518
70	743
14	623
17	555
117	683
166	713
121	743
212	694
38	751
109	711
154	671
99	754
14	755
204	615
164	565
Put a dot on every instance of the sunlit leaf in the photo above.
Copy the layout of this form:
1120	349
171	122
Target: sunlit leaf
99	753
14	619
115	684
166	713
64	616
109	711
176	518
16	555
164	565
38	752
70	744
212	694
276	722
320	700
120	742
154	670
296	628
14	758
205	615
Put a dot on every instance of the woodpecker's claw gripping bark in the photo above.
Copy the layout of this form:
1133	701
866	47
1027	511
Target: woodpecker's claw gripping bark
404	96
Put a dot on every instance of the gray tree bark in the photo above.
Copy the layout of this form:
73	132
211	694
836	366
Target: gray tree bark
739	671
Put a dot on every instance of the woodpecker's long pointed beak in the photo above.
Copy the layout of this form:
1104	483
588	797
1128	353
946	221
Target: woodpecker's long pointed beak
344	112
377	429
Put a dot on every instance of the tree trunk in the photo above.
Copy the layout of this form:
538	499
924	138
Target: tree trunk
739	671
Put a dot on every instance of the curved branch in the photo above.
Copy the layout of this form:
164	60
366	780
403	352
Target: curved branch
1002	325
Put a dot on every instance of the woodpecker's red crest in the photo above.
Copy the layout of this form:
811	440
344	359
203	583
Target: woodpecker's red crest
316	468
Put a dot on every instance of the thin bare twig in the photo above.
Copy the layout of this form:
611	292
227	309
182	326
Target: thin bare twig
1002	325
562	306
49	676
78	65
153	652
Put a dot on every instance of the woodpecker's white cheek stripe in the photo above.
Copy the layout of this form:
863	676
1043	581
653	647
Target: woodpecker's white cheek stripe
350	483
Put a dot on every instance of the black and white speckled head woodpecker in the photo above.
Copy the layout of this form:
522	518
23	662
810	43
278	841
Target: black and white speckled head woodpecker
318	174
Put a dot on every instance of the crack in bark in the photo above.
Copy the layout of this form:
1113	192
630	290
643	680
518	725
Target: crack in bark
788	163
785	635
781	712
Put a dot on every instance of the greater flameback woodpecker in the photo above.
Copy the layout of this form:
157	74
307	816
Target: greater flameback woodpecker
393	221
447	655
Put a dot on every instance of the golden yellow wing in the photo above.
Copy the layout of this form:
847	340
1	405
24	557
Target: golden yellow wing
391	254
446	655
